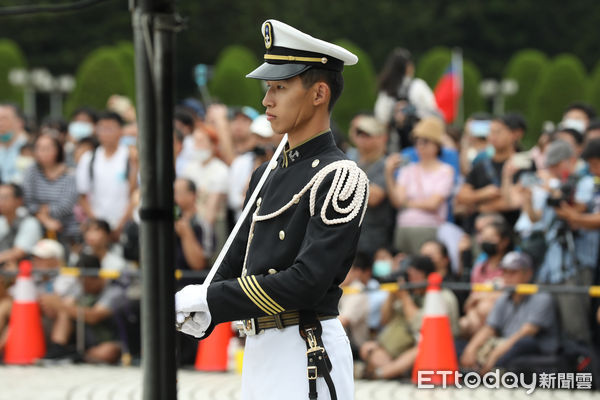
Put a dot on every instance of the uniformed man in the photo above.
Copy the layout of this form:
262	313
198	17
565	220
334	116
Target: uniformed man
282	272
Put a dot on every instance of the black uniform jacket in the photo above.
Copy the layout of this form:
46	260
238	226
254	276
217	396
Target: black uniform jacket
295	260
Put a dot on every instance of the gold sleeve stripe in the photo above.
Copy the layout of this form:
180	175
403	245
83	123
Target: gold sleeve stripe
251	297
266	297
258	296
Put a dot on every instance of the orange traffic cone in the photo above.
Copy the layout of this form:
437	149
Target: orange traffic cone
436	347
212	352
25	342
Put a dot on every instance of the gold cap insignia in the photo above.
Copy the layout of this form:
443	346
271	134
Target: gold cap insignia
268	35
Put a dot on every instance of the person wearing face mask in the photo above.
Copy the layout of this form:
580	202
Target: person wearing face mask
81	128
495	241
11	142
394	351
210	175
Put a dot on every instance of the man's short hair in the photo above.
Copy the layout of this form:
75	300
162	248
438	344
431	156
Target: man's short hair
100	224
111	115
90	112
583	107
333	79
575	134
190	185
16	189
184	116
363	261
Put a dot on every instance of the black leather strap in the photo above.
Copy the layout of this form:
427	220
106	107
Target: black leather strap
318	363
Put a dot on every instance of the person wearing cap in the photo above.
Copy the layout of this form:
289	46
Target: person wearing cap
370	138
421	191
282	273
518	325
571	254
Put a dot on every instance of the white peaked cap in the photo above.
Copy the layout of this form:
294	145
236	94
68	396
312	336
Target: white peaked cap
291	52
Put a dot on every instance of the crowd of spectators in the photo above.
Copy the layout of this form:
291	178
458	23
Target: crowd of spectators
466	202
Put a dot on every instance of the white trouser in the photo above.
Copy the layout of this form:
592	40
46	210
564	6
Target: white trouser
275	364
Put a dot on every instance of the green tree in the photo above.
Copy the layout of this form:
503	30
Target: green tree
126	55
229	83
360	88
100	75
472	100
432	65
563	82
525	67
593	95
11	57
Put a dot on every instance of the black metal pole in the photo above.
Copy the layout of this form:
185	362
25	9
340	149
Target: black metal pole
153	24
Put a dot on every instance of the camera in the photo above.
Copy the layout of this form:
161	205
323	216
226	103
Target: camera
565	192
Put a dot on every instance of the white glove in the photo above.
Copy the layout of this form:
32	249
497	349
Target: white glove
192	300
197	324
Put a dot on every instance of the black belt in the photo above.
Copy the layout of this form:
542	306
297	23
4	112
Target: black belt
283	320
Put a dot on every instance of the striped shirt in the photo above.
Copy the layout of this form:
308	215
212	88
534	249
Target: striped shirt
60	195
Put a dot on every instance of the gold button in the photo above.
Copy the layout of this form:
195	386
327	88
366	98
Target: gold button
315	163
281	235
272	271
258	202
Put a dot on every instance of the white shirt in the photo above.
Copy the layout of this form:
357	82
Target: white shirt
108	191
239	176
209	178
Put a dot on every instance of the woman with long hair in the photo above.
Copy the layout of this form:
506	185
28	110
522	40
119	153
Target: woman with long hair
50	191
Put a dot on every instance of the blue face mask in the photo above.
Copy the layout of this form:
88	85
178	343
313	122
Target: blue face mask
128	141
6	137
382	268
80	130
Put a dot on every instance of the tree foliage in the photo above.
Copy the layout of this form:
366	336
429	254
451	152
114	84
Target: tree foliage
593	94
472	100
562	83
11	57
525	67
360	88
432	65
489	32
101	75
229	83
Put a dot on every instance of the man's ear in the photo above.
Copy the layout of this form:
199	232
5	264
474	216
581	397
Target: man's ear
321	94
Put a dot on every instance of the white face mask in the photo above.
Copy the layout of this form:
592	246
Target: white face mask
80	129
201	155
572	123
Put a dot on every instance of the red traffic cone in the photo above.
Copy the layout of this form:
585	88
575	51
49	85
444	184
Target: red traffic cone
25	342
436	346
212	352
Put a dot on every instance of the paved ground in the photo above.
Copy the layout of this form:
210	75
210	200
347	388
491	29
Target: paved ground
86	382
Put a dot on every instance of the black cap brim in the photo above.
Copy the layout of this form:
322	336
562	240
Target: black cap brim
277	72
